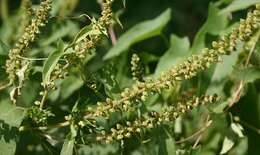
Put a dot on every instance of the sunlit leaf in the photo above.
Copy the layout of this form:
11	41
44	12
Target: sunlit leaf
67	148
138	33
214	25
238	5
178	51
10	118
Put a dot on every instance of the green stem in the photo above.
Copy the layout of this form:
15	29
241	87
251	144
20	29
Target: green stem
59	125
4	86
44	97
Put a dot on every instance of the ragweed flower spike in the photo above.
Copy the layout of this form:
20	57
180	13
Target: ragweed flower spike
84	47
136	68
186	70
27	13
153	119
14	63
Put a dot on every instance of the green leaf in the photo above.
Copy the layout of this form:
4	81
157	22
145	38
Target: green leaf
248	75
177	52
214	25
8	139
170	146
228	63
138	33
11	117
60	32
67	148
69	86
51	62
220	75
239	5
11	114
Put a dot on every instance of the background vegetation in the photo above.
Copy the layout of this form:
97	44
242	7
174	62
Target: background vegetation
163	33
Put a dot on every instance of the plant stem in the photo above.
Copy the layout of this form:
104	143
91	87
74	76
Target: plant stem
44	97
59	125
198	133
111	31
4	86
237	95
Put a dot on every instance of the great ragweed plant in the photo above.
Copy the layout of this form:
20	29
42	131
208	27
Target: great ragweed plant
113	106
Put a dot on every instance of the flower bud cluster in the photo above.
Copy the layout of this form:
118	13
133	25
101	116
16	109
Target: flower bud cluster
60	72
136	68
248	25
27	14
39	116
153	119
84	48
14	64
140	91
105	19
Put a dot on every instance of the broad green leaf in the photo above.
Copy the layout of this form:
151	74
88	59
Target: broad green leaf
241	148
62	31
10	118
238	5
81	34
219	109
67	148
248	75
138	33
69	86
66	88
177	52
51	62
170	146
220	75
8	139
169	143
228	63
214	25
11	114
